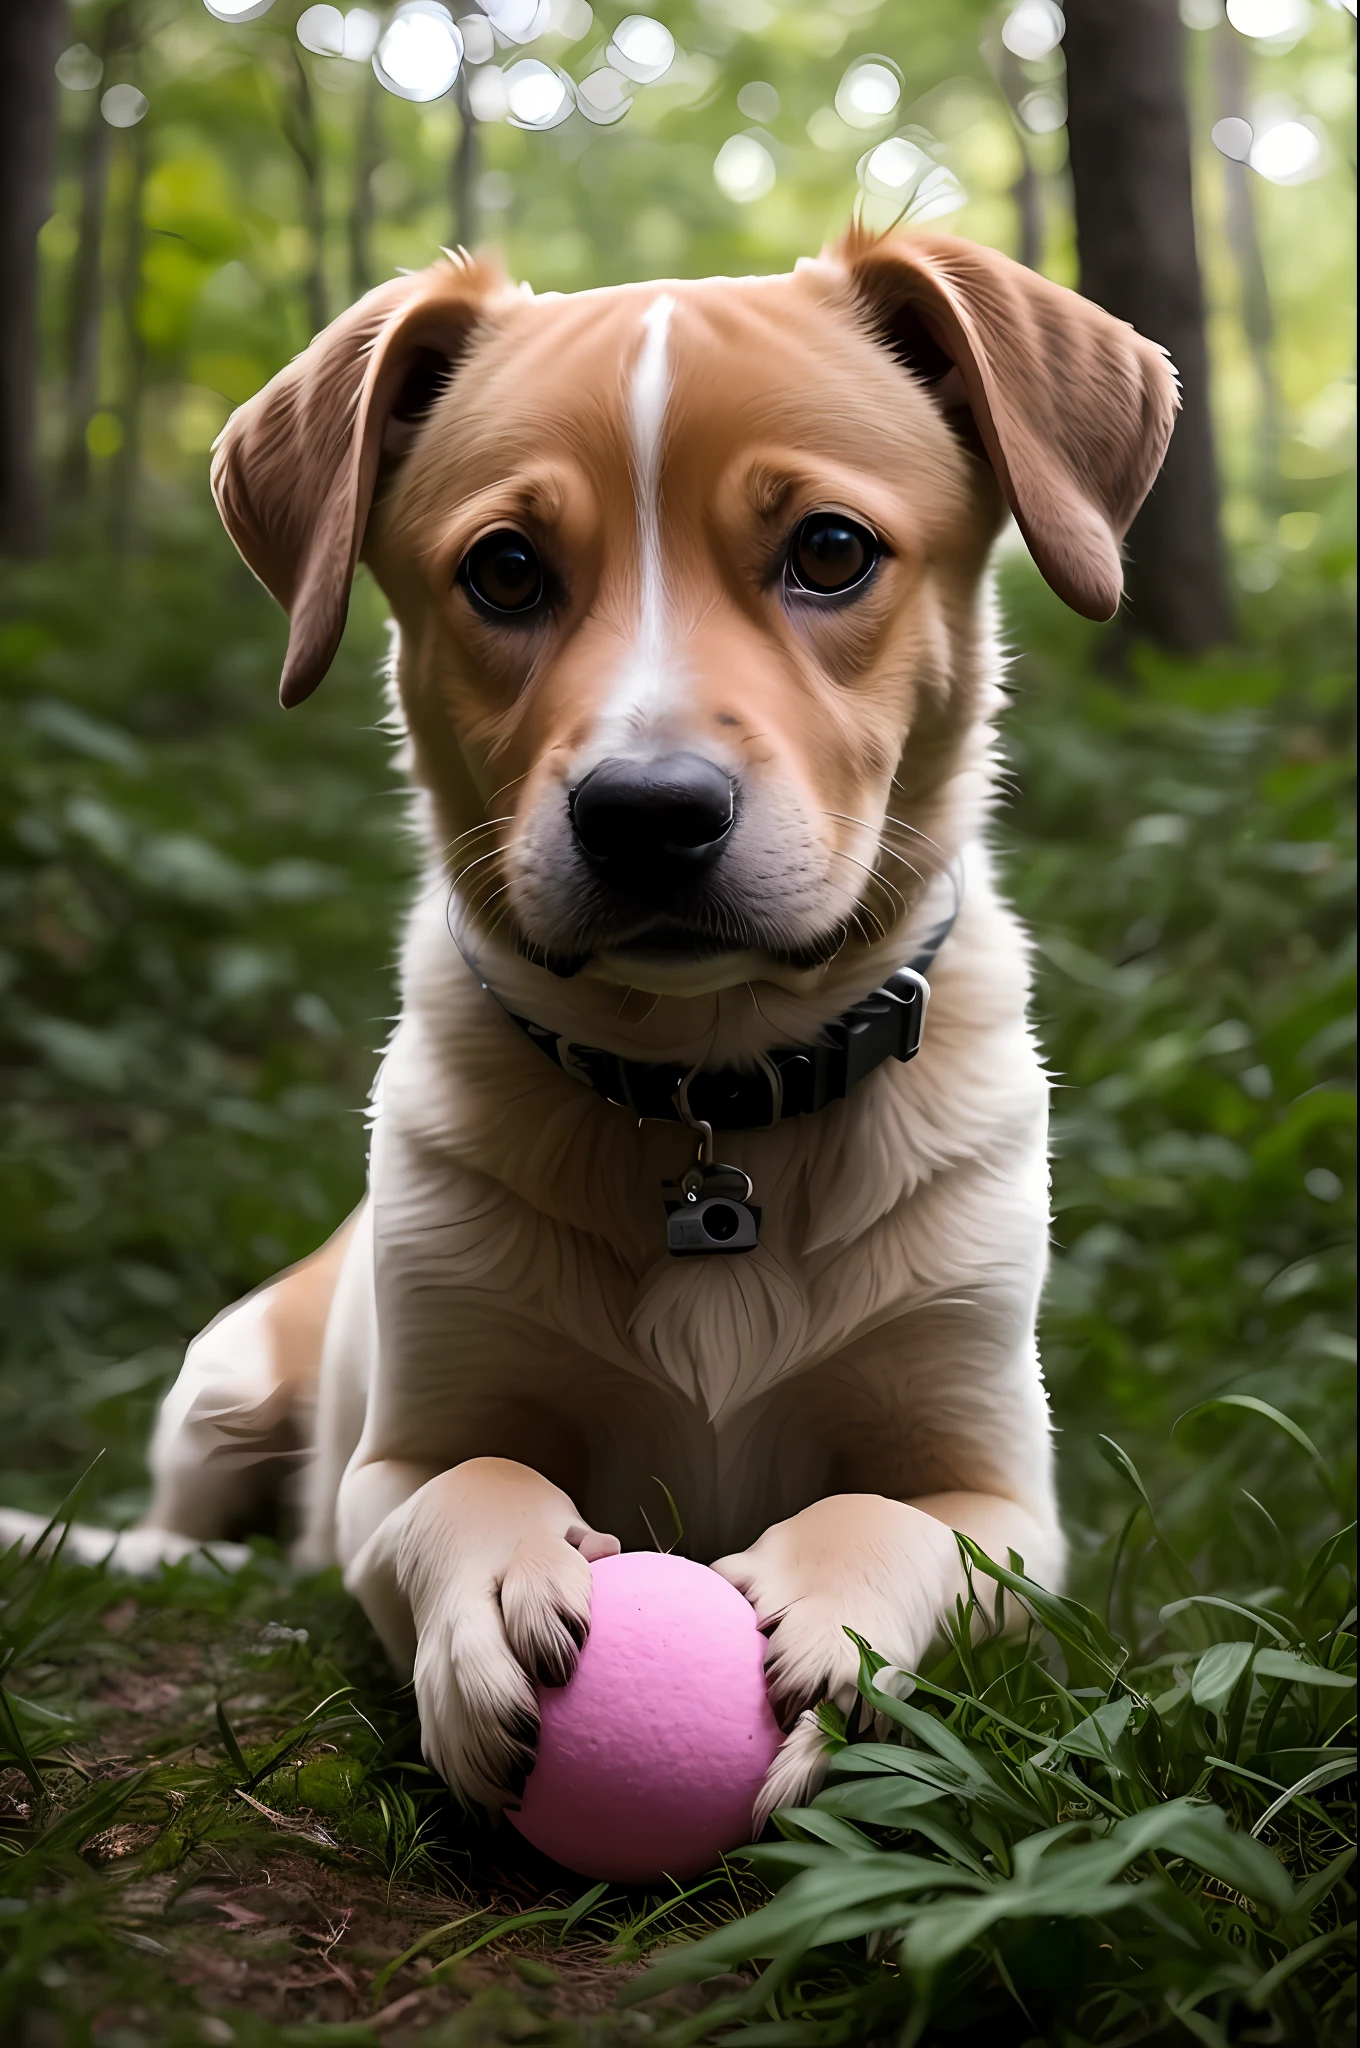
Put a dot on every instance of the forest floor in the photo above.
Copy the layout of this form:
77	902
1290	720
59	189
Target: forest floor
196	1905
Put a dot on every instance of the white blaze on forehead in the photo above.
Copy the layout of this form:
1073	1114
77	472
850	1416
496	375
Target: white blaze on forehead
641	694
650	389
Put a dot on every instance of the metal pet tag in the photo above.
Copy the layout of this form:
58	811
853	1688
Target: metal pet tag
709	1209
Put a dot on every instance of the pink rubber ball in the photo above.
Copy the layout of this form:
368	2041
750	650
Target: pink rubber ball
650	1760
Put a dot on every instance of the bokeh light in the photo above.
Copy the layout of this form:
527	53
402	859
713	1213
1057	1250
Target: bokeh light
123	106
1232	137
744	169
486	93
1269	20
1043	112
1033	29
479	43
322	31
78	68
759	102
536	96
642	49
572	19
519	21
420	52
603	97
893	167
238	10
868	92
1288	153
362	29
920	188
329	33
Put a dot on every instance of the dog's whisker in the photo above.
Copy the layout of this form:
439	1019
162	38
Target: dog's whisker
466	847
469	866
497	794
473	831
883	848
839	853
916	833
897	824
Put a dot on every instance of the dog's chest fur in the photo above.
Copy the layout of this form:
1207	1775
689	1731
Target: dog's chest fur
520	1231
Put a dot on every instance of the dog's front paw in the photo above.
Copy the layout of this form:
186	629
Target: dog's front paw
478	1712
486	1630
854	1561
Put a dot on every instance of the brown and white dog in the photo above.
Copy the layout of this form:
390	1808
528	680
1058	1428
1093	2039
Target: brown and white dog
695	653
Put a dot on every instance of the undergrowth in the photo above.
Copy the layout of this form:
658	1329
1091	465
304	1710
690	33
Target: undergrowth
1127	1822
1048	1835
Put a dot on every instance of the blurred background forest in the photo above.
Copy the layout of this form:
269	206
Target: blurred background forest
200	895
199	900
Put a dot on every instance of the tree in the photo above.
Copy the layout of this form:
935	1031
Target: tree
1129	136
31	36
1229	64
85	283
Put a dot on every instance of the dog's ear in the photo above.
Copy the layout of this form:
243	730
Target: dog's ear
294	469
1072	407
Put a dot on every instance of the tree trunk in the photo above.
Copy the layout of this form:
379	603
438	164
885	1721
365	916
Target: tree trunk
127	462
466	165
85	307
1129	136
1229	62
1029	212
361	209
1025	192
300	127
31	37
85	301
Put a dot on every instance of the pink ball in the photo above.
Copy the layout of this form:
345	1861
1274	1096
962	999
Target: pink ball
650	1760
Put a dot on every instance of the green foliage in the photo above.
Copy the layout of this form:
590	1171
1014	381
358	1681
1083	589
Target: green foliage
1181	845
1027	1859
201	902
279	185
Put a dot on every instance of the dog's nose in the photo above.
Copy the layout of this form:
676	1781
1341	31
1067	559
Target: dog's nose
653	822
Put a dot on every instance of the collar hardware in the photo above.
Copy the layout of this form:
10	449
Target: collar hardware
787	1081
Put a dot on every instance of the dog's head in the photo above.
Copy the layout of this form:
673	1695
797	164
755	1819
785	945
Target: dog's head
687	575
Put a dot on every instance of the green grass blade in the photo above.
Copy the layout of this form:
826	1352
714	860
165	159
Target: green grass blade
1255	1406
11	1733
384	1976
1073	1625
230	1744
1325	1774
1118	1459
1252	1614
1265	1988
563	1916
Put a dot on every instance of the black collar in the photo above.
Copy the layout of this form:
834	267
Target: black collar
789	1081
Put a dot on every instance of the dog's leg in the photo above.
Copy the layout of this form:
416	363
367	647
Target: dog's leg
348	1358
888	1569
477	1581
236	1420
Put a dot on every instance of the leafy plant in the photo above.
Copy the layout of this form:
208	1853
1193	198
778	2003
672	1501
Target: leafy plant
1030	1854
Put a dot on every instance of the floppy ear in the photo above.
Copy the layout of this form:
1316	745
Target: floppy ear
1073	407
294	468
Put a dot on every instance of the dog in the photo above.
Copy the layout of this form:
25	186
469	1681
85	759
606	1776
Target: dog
696	664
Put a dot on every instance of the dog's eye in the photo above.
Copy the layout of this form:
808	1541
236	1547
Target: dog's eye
502	574
830	555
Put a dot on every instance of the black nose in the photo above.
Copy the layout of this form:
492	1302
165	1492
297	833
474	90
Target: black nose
653	823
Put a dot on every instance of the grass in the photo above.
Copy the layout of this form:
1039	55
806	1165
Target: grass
1129	1823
